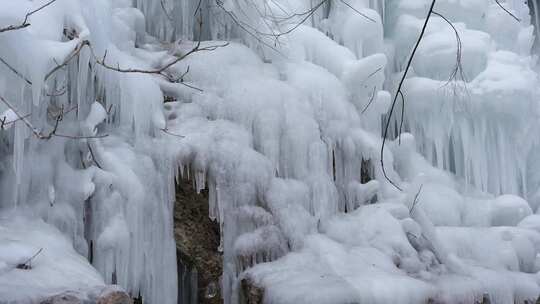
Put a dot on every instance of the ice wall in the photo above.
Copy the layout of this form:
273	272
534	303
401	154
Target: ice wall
311	154
282	146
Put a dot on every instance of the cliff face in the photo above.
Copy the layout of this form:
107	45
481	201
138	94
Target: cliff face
197	242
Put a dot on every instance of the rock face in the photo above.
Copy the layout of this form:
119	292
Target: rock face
197	242
250	293
106	295
114	297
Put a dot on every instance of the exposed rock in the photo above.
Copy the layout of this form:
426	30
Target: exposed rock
197	242
250	293
109	296
101	295
64	298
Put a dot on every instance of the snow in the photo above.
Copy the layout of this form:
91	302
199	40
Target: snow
285	133
55	267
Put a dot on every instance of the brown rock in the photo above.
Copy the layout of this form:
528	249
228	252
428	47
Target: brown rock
64	298
197	242
114	297
250	293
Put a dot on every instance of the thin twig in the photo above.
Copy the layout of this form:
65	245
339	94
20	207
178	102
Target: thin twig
458	69
402	115
24	119
399	90
373	73
6	123
243	27
160	71
166	131
507	11
26	264
415	201
93	156
80	136
15	71
66	61
53	132
370	100
25	21
55	128
198	8
162	2
358	12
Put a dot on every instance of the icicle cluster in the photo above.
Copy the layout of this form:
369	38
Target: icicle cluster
83	160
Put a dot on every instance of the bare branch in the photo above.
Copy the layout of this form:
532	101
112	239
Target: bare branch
198	8
408	66
372	74
162	2
458	69
4	123
507	11
24	118
93	156
252	31
53	132
370	100
57	121
358	12
80	136
402	115
415	201
244	27
162	70
308	14
26	265
166	131
25	21
15	71
66	61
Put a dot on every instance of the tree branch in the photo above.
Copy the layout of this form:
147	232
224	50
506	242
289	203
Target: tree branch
372	97
166	131
409	62
53	132
15	71
507	11
458	69
25	23
66	61
415	201
402	115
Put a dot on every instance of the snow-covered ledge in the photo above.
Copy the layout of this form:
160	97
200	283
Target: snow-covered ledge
39	265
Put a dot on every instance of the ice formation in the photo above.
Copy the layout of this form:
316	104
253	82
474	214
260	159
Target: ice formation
280	115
